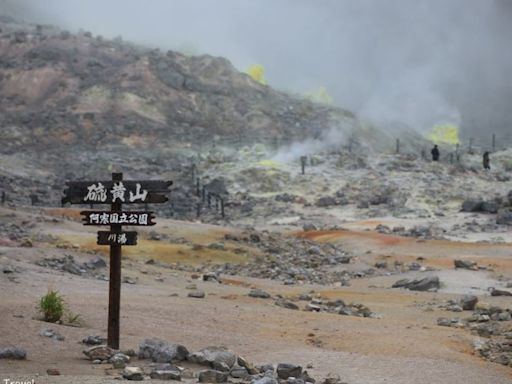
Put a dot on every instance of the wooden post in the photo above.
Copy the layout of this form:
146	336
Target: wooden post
193	172
198	189
494	142
114	297
198	210
222	207
397	146
303	160
204	194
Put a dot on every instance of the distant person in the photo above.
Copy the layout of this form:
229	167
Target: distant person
435	153
487	161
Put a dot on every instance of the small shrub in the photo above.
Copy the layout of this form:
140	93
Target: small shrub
73	319
51	306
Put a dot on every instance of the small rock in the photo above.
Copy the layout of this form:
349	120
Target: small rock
468	302
13	353
212	376
286	304
248	366
239	372
465	264
53	372
259	293
284	371
97	263
444	322
214	357
197	294
264	380
266	368
119	360
133	373
332	379
94	340
167	372
99	352
497	292
50	333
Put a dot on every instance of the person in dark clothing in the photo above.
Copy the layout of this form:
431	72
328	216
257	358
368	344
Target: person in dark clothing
487	161
435	153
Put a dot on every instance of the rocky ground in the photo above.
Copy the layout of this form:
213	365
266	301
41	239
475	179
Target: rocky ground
321	300
371	267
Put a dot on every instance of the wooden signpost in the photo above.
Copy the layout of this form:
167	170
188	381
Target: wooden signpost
116	192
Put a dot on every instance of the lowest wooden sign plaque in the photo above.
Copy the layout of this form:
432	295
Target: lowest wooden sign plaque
120	238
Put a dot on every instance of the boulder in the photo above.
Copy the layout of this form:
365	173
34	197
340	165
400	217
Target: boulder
239	372
119	360
166	372
285	370
99	352
426	284
218	357
133	373
162	352
325	201
212	376
264	380
468	302
504	216
170	353
490	207
471	205
498	292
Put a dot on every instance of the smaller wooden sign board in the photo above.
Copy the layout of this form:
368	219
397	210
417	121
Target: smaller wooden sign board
121	238
139	218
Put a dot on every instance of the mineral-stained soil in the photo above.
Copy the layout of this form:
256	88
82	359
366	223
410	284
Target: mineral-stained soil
402	344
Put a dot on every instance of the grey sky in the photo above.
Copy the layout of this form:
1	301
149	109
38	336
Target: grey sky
395	62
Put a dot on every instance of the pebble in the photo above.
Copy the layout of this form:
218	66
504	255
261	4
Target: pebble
197	294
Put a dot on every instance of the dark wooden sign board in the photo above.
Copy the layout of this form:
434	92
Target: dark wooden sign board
107	192
139	218
121	238
116	192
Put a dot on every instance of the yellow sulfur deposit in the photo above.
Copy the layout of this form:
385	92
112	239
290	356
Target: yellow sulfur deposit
320	95
444	134
269	164
257	73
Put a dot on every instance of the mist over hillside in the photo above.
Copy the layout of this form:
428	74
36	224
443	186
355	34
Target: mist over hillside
395	63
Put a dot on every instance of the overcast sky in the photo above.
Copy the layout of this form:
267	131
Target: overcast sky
395	62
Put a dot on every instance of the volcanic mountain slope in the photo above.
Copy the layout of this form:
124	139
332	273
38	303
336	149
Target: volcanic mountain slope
56	87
